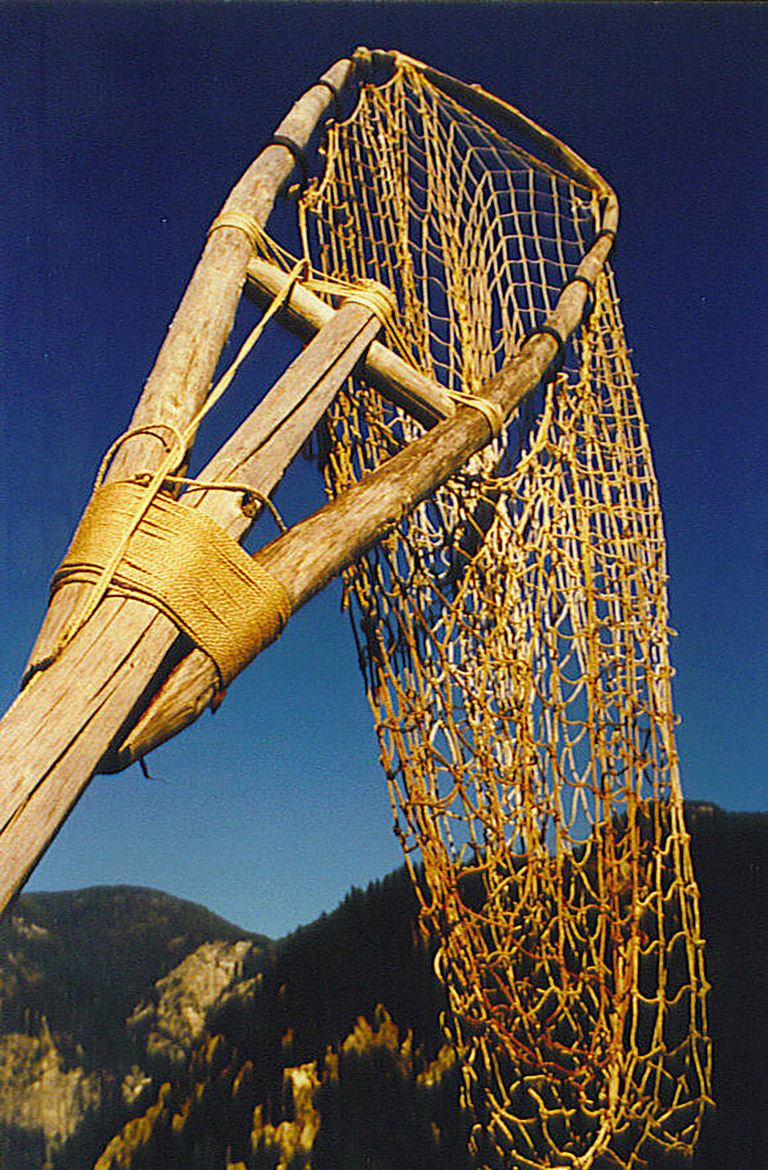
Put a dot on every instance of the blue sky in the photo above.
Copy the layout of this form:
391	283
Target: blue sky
123	127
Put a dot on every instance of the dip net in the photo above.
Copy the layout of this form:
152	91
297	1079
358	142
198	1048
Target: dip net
513	634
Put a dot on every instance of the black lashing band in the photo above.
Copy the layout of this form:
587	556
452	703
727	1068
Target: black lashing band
336	98
556	365
363	64
299	156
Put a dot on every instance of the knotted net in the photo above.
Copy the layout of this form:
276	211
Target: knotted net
513	636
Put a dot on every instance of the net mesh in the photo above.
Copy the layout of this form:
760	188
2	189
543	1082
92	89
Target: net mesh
513	636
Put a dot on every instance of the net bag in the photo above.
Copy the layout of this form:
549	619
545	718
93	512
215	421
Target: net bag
513	634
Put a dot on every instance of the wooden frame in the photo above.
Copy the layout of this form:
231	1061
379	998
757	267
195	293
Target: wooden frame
128	679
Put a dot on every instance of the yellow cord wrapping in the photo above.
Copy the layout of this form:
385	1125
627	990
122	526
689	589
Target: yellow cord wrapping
242	222
154	483
372	294
183	563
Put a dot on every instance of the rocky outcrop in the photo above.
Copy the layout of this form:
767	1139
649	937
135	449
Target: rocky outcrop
300	1070
73	968
46	1100
172	1021
289	1141
372	1101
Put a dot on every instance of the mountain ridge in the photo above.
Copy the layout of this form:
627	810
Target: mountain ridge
74	968
322	1049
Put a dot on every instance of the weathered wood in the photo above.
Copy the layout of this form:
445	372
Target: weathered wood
304	313
182	375
259	451
50	745
185	365
55	733
46	740
256	455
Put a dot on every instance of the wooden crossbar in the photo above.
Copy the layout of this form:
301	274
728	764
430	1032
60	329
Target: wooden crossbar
304	313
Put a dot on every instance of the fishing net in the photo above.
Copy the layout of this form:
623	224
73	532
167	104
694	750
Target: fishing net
513	635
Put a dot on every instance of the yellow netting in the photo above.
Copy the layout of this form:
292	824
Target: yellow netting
513	635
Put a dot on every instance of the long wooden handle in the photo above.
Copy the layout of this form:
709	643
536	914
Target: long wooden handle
55	734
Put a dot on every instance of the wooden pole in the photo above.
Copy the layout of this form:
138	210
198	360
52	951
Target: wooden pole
181	377
54	734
